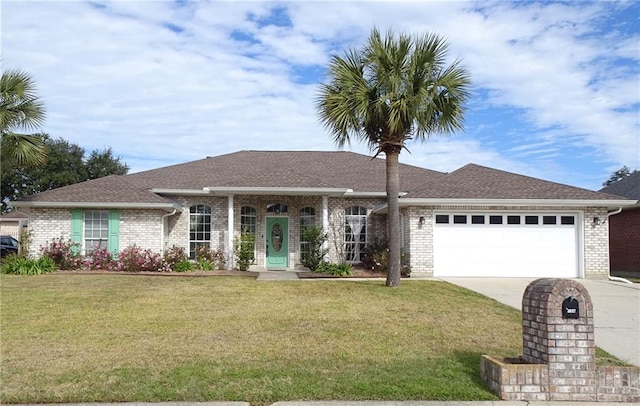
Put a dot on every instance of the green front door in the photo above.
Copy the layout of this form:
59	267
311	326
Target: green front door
277	242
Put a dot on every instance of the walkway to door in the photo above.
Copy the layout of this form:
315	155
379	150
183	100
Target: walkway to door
277	276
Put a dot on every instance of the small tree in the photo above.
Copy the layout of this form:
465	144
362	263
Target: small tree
314	255
243	247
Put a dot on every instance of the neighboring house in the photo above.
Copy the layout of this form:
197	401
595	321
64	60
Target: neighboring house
475	221
624	228
11	223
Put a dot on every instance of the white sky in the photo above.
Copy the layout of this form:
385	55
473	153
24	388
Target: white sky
556	85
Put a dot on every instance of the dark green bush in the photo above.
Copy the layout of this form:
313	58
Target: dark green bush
204	265
20	265
183	266
335	269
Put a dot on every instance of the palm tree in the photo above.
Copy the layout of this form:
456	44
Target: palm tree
20	109
392	91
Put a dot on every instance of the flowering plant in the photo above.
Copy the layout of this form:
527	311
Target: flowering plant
65	254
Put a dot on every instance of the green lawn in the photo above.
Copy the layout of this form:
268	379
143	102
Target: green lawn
81	338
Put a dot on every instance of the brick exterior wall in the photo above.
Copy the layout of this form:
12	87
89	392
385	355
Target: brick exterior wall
47	224
596	244
624	242
144	227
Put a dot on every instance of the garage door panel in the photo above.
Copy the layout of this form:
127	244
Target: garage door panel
505	250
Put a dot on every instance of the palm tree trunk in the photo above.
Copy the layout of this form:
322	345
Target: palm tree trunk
393	216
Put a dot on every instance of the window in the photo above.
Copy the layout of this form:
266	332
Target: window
477	219
495	219
513	219
277	208
199	228
531	220
355	233
442	219
307	219
567	220
548	220
459	219
96	229
91	229
248	221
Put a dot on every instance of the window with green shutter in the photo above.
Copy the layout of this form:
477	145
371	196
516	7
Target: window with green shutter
96	229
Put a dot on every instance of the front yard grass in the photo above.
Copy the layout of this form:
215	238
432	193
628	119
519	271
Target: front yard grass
114	338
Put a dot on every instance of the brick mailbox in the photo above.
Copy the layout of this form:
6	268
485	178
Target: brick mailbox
557	330
558	359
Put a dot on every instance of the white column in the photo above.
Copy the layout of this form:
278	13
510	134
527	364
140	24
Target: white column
325	218
230	232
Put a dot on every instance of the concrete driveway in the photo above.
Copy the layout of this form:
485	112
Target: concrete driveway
616	309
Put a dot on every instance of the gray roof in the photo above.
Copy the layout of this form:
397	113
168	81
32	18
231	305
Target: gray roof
628	187
305	169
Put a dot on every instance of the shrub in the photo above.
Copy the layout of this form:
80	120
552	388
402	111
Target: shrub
376	257
205	265
21	265
183	266
135	259
215	257
335	269
65	254
99	259
175	255
243	247
313	256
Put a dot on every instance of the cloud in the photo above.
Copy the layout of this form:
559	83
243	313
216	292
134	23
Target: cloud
166	82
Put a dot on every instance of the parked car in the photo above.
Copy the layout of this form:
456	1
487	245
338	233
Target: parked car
8	245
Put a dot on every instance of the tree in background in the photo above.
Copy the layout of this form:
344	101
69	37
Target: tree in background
65	165
619	175
393	90
20	110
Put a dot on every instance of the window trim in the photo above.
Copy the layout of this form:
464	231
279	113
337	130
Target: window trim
200	242
358	246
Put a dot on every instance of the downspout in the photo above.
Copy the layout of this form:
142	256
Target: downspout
20	228
615	278
164	217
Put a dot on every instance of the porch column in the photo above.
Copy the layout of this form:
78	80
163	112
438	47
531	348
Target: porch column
230	232
325	218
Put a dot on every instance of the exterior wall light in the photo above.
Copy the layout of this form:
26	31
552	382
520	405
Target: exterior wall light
597	221
421	221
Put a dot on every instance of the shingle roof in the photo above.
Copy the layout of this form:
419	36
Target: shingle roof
305	169
110	189
479	182
335	169
628	187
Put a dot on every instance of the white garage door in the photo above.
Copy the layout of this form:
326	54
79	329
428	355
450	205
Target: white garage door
505	245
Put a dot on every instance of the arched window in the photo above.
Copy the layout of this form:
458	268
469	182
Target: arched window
248	221
355	233
307	219
199	228
277	208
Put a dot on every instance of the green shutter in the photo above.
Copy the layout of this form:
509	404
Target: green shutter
114	231
76	227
